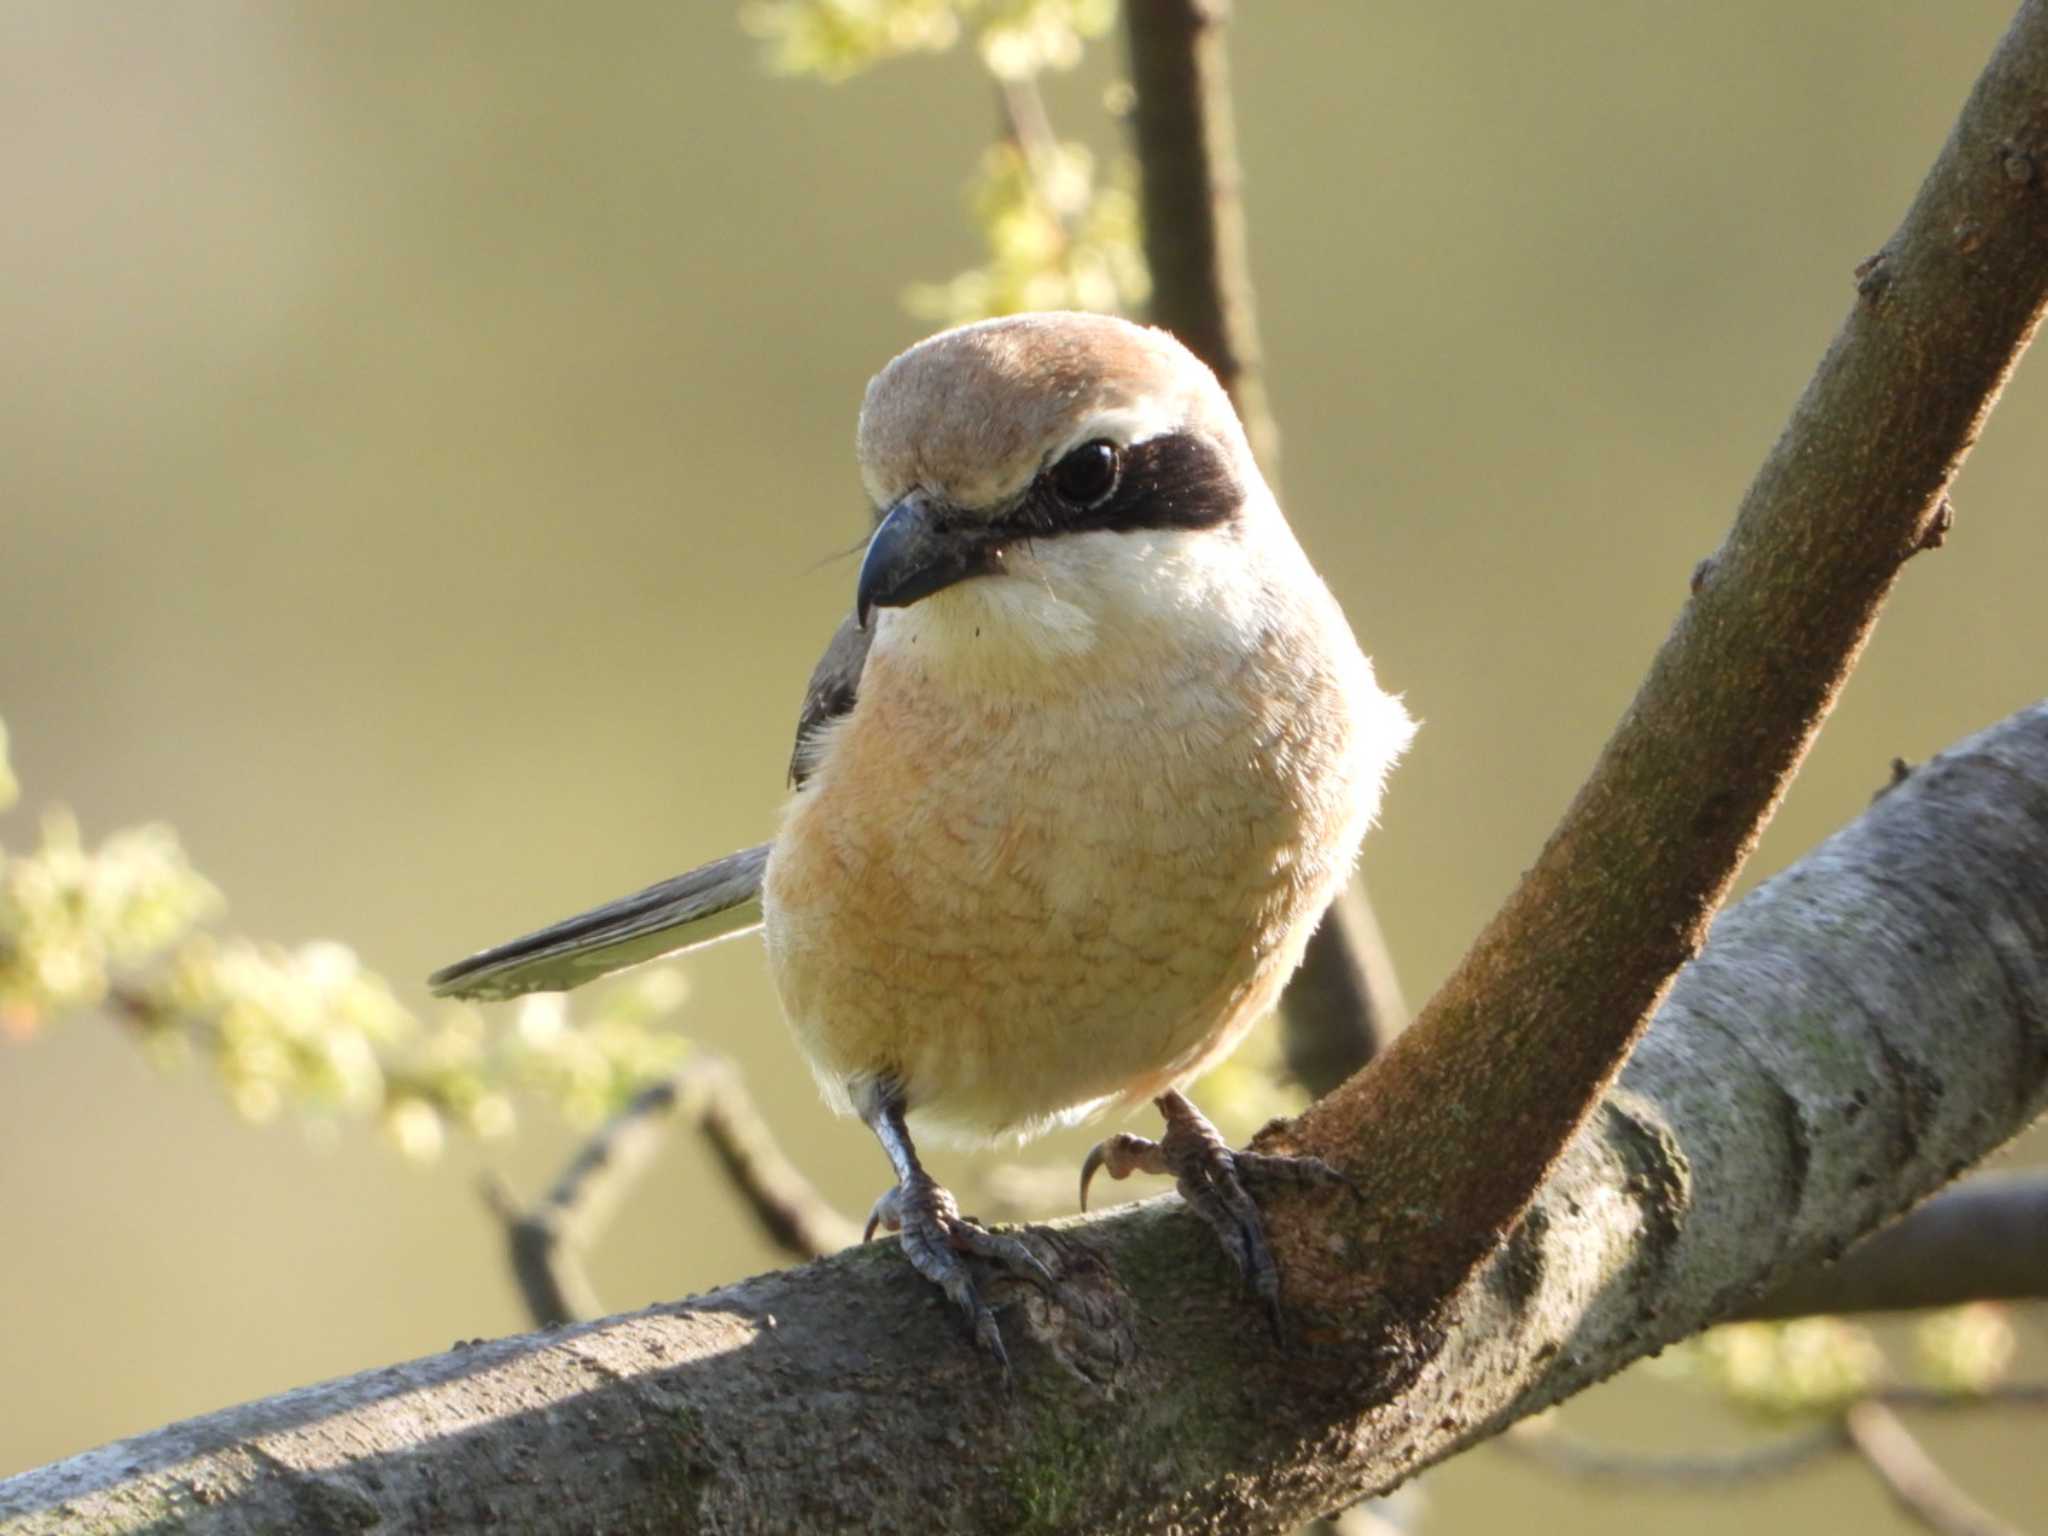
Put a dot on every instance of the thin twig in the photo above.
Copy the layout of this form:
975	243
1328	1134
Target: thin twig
1030	128
796	1217
1538	1442
1541	1441
1910	1476
546	1244
2002	1394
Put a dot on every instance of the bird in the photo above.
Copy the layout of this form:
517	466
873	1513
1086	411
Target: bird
1073	784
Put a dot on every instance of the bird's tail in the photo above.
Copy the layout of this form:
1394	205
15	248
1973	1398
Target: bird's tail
713	902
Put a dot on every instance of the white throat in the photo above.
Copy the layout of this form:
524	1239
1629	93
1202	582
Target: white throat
1083	607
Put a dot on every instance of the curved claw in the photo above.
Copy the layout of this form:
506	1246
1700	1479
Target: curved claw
883	1213
1122	1155
1090	1166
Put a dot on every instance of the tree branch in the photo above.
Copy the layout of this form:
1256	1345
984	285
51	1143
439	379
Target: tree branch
1194	217
1910	1476
546	1244
1985	1240
1858	1031
1860	1028
1532	1025
1344	1006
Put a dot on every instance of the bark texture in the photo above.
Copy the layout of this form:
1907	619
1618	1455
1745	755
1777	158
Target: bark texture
1859	1030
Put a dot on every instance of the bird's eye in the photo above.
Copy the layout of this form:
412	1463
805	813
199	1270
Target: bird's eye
1086	475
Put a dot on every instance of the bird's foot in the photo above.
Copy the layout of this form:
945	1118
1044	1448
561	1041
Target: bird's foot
935	1234
1216	1183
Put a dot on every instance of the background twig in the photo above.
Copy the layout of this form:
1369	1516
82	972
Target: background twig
546	1244
1194	218
1910	1475
1869	1426
1344	1005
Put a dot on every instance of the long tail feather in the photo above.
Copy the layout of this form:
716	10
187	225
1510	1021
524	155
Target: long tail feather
713	902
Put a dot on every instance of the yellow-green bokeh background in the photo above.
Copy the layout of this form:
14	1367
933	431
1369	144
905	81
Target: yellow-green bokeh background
423	430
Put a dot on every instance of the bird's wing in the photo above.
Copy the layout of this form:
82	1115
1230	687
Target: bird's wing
714	901
834	682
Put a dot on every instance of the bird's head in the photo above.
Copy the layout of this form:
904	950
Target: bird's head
1046	476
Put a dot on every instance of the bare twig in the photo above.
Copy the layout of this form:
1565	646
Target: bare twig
1030	128
2003	1394
1910	1475
801	1221
546	1244
1194	217
1543	1443
1984	1240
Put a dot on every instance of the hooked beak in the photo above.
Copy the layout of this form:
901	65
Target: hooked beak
914	554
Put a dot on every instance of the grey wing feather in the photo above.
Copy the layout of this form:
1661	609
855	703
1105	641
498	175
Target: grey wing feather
834	683
712	902
707	904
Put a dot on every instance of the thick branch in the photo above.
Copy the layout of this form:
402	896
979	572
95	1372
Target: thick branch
1860	1028
1533	1024
1985	1240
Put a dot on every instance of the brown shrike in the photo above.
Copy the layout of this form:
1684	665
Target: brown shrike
1073	783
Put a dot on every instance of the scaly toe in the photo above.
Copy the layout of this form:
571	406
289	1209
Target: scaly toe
935	1235
1213	1179
1013	1253
1270	1171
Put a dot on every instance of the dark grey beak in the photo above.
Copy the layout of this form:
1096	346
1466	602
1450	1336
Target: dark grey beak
915	553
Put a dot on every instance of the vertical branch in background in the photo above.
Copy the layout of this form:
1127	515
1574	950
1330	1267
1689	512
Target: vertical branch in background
1194	218
1345	1003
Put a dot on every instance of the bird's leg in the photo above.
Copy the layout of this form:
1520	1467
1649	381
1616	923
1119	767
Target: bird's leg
1213	1180
934	1232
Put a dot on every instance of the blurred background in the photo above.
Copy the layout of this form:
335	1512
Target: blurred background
425	450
